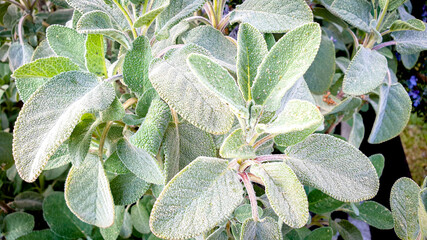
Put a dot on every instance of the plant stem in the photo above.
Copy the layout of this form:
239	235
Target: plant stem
6	209
102	141
383	13
17	4
355	41
251	195
199	18
385	32
255	179
211	13
125	13
114	78
263	140
21	29
272	157
334	125
129	102
385	44
164	51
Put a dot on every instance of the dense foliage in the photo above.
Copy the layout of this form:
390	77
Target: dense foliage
192	119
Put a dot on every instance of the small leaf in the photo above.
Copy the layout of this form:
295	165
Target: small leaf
215	42
174	13
357	131
266	228
31	201
140	162
80	140
392	5
127	189
365	72
375	215
321	203
17	224
272	16
112	233
45	122
251	50
334	167
323	233
150	134
299	91
113	164
410	42
140	217
212	191
135	66
19	55
88	195
98	22
347	230
378	162
115	112
409	60
411	24
67	42
219	81
60	158
31	76
6	158
321	72
144	102
285	192
148	17
235	146
61	220
95	60
43	50
404	207
392	114
286	62
177	86
244	212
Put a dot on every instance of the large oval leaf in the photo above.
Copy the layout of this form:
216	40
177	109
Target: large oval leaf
285	192
286	62
175	83
88	194
410	42
50	115
266	228
202	195
273	16
334	167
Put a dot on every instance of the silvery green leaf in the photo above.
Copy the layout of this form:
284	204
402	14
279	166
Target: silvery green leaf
321	203
392	4
297	116
40	234
323	233
404	207
144	102
410	42
175	32
80	139
135	66
88	194
285	192
95	60
422	211
273	16
67	42
334	167
347	230
348	104
299	91
357	131
28	200
6	157
61	220
148	17
251	50
269	38
99	22
173	14
215	42
126	230
342	63
235	146
31	76
286	62
378	162
76	16
365	72
409	60
60	158
175	83
43	50
392	115
113	164
150	134
374	214
218	81
266	228
324	14
355	12
140	162
182	145
218	234
201	196
321	72
19	55
112	232
49	116
411	24
16	225
244	212
56	172
127	189
115	112
140	217
85	6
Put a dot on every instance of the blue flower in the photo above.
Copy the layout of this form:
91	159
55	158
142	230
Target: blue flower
414	94
398	56
412	82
